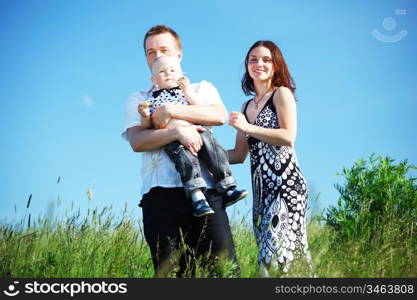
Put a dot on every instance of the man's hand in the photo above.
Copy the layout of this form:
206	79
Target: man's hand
189	137
161	116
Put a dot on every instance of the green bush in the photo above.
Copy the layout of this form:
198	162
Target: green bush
377	193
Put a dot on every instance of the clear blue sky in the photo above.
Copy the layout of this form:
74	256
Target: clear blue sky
67	68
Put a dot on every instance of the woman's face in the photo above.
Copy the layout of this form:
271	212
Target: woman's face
260	64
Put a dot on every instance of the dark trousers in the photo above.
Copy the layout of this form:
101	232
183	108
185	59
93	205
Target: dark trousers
169	224
188	166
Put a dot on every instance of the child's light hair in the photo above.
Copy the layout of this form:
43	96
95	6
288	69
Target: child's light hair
164	60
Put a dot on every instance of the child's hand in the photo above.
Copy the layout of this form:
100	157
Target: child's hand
184	83
143	109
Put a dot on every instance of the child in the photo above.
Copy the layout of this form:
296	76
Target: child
174	88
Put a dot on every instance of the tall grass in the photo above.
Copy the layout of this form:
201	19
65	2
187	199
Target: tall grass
97	245
100	245
370	233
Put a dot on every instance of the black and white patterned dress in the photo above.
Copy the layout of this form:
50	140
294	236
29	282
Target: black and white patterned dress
279	198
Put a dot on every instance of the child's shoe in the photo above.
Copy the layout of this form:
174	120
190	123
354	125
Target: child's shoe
201	208
233	195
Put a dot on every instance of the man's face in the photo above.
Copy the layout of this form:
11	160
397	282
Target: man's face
159	45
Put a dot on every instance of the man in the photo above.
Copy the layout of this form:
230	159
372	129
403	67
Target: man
167	212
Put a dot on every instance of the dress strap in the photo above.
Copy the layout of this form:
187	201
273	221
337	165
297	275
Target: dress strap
271	98
246	106
272	95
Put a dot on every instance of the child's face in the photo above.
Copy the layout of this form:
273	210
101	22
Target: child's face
166	74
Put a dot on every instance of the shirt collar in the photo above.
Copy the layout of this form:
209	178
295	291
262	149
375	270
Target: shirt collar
172	91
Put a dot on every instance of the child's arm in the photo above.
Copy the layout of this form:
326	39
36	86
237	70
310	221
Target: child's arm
145	116
189	93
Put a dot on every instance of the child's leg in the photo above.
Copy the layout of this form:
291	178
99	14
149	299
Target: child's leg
217	161
197	194
188	167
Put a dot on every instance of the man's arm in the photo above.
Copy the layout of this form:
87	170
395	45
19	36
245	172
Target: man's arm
142	139
211	113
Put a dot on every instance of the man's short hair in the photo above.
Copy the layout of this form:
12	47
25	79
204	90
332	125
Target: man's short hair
159	29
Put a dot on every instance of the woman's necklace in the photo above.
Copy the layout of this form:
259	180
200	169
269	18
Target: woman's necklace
260	99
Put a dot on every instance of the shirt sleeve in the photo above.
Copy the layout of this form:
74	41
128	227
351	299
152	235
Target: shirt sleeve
132	117
208	93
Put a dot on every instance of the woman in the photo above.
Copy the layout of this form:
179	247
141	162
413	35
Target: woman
267	129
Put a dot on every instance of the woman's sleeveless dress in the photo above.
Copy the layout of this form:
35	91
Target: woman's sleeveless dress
279	198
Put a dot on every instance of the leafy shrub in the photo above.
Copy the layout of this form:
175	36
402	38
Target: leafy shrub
376	193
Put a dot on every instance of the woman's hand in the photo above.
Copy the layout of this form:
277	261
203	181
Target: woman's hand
238	121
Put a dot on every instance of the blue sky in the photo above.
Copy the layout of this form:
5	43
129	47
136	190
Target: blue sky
67	68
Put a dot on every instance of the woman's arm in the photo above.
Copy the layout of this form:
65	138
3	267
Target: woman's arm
241	150
286	110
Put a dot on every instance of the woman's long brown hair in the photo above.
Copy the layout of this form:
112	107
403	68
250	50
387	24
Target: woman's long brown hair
281	75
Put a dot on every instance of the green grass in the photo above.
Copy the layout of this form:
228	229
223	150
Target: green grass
99	245
371	232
